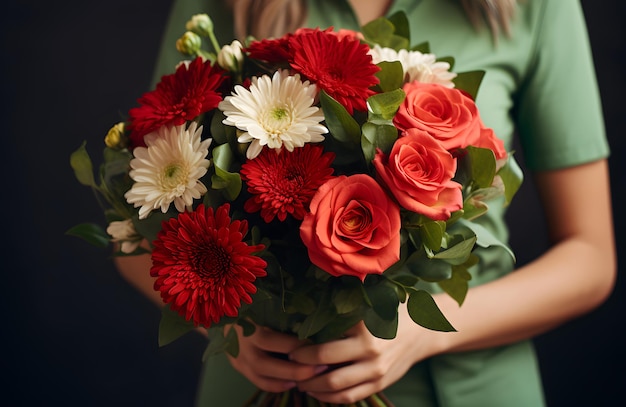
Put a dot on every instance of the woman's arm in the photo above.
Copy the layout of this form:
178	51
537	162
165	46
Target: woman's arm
573	277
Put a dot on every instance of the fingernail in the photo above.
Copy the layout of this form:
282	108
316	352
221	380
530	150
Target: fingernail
290	385
320	369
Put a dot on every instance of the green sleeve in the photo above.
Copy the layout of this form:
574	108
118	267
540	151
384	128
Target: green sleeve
559	110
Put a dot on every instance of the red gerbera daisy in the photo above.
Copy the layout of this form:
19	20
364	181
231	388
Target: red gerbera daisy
204	270
179	97
284	183
340	66
270	50
277	50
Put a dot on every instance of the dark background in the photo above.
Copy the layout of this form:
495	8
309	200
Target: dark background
74	333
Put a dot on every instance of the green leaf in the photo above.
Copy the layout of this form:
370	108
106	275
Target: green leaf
82	166
384	299
340	123
423	47
386	104
336	328
377	136
404	280
473	208
92	233
116	162
232	343
150	226
459	253
247	326
401	24
172	326
424	311
428	269
378	30
456	215
380	327
512	178
390	76
219	131
302	303
115	179
469	82
482	163
347	299
219	344
484	237
384	33
229	182
457	285
315	322
431	234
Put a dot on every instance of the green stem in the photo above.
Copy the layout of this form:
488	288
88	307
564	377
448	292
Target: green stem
216	45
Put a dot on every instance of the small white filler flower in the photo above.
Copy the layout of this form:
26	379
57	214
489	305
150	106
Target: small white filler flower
416	65
124	232
275	112
169	169
231	57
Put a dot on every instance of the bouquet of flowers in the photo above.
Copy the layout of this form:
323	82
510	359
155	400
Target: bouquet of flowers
304	183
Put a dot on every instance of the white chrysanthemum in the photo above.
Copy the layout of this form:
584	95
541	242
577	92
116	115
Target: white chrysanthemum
124	232
169	169
417	66
276	112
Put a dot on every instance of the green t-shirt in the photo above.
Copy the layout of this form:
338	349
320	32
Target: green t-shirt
540	84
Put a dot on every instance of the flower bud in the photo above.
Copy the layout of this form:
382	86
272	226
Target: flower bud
189	43
115	137
230	57
200	24
124	232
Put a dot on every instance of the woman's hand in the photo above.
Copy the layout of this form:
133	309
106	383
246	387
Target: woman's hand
362	364
263	360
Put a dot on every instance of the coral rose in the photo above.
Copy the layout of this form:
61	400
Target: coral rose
353	227
488	139
448	114
418	172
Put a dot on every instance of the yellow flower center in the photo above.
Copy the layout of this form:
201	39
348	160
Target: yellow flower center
279	113
174	176
277	120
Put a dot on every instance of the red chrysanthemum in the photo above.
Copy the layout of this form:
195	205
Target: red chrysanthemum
270	50
277	50
341	67
284	182
178	98
203	268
